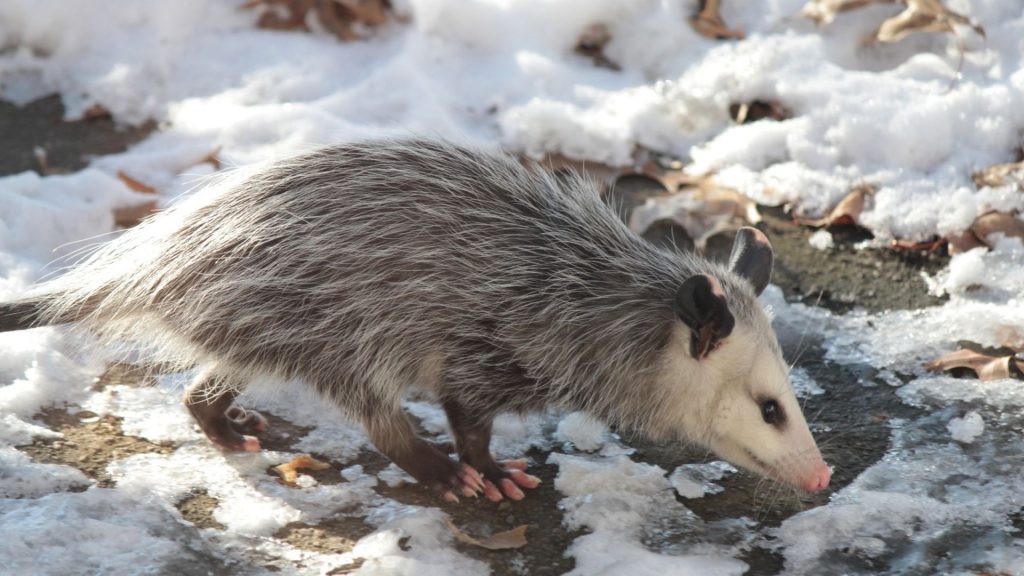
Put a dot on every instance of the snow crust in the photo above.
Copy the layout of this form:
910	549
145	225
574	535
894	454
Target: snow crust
900	117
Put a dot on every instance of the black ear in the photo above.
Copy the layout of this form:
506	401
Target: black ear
700	303
752	257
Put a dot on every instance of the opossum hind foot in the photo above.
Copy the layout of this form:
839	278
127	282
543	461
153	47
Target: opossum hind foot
226	425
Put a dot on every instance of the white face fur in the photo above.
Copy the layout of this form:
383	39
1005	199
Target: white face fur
739	403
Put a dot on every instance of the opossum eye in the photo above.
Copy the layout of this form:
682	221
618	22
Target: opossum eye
772	413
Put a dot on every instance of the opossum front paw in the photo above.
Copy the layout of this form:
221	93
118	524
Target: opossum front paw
506	478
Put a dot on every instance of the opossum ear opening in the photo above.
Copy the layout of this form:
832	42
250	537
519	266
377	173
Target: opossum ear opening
700	304
752	257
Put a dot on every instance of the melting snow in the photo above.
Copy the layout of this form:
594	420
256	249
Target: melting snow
906	118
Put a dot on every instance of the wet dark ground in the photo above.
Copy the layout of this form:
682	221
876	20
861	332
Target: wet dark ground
849	419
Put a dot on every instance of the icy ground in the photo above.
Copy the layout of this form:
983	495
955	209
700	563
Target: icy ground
945	497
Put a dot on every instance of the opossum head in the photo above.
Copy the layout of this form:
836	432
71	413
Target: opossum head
727	383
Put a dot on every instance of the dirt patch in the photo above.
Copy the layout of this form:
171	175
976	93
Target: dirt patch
844	277
68	146
198	508
90	443
336	535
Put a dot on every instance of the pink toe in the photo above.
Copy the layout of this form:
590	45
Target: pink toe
491	491
511	491
251	444
524	480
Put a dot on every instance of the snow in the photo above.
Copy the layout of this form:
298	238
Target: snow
966	429
822	240
583	431
906	118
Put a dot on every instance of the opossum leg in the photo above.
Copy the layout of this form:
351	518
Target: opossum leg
425	461
473	443
225	425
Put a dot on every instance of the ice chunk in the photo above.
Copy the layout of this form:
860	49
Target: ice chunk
696	480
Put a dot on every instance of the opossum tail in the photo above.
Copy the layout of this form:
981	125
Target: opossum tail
39	310
22	315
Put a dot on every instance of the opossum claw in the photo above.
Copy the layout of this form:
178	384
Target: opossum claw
450	496
518	463
523	479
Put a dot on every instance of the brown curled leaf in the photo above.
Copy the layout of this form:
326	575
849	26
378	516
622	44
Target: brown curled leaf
747	112
1008	225
847	212
824	11
591	45
912	246
987	367
703	209
213	159
135	185
603	174
129	216
289	471
339	17
962	242
708	22
514	538
922	16
1000	175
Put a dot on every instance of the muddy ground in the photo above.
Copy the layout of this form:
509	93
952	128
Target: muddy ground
849	419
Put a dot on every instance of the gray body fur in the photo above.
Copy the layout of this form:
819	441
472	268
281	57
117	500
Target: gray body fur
362	269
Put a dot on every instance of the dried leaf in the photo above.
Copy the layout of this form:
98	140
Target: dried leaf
708	22
591	45
747	112
997	222
962	242
824	11
987	367
339	17
911	246
604	174
134	184
703	209
847	212
289	471
1000	175
213	159
922	16
514	538
95	112
131	215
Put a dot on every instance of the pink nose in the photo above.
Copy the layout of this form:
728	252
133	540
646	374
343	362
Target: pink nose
818	480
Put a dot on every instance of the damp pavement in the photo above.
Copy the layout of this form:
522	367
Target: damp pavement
849	419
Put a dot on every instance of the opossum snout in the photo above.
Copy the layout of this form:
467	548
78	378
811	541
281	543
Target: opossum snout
818	478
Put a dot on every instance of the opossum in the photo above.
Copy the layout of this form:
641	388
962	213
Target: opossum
363	269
